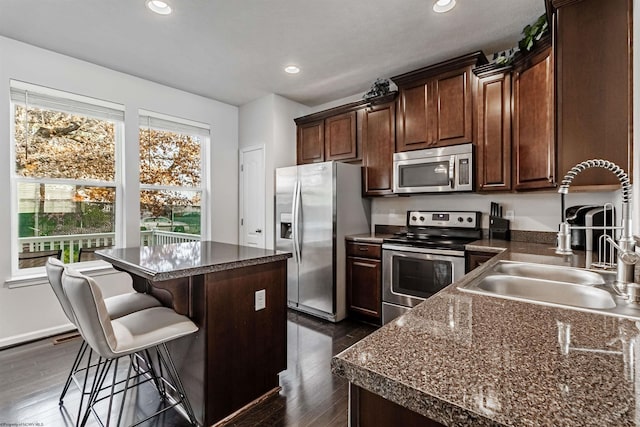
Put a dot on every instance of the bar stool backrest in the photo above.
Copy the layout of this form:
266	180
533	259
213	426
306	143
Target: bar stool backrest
90	312
55	268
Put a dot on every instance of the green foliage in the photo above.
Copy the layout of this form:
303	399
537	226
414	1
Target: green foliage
88	218
532	33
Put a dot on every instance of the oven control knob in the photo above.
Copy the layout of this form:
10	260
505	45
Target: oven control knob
413	218
469	219
460	219
421	219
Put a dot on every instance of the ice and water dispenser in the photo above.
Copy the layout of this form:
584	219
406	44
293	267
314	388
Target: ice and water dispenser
286	226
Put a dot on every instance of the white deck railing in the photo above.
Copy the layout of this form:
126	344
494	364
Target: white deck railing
73	242
159	237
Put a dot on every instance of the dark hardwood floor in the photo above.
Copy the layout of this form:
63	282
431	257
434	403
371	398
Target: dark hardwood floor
32	375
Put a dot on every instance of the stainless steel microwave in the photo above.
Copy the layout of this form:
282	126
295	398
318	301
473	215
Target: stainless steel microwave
434	170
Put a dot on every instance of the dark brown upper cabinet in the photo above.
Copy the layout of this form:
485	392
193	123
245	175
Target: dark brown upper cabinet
329	135
435	104
362	130
310	143
593	47
493	119
340	137
533	119
378	144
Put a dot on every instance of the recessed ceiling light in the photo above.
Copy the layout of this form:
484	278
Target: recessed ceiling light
292	69
442	6
159	7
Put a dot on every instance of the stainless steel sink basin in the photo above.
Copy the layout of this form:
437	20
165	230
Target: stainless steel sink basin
566	287
550	272
548	291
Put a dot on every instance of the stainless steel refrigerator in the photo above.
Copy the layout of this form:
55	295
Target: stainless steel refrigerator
317	205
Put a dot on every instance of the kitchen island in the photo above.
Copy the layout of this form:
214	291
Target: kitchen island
233	361
461	359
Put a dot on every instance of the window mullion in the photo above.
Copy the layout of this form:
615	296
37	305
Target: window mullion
169	188
62	181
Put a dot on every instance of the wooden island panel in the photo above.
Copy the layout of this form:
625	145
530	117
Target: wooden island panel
232	362
246	349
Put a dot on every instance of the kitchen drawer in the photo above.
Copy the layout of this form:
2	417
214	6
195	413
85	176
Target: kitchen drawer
364	250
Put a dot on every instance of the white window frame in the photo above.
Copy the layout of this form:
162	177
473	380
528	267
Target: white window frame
33	275
204	187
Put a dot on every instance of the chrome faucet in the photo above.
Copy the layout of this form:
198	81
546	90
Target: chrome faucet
626	255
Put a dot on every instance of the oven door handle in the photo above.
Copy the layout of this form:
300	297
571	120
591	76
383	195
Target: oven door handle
424	251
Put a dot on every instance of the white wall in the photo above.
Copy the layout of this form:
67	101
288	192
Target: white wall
269	121
533	211
31	312
338	102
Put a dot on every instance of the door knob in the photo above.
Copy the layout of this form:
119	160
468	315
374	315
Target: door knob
258	231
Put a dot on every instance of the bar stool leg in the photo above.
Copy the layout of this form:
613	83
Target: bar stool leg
156	378
76	363
173	373
102	369
113	390
124	395
84	384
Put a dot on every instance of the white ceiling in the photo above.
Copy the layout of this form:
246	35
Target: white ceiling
234	50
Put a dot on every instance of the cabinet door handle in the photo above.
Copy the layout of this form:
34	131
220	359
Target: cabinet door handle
364	249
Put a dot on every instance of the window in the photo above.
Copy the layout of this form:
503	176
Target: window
64	173
171	189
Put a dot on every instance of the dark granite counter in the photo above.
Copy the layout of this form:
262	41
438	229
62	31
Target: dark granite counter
470	360
178	260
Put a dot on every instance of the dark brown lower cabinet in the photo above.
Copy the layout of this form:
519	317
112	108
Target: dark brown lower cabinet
364	281
474	259
370	410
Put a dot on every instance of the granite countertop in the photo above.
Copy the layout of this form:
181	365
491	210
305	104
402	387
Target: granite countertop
470	360
175	260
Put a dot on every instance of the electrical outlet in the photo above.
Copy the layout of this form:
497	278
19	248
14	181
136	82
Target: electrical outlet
510	215
261	299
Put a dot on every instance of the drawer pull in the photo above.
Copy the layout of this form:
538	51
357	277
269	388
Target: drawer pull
363	248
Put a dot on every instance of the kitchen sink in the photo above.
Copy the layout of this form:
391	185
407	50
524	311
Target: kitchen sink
567	287
547	291
551	272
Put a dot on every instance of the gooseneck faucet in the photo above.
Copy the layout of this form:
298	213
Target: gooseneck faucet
626	256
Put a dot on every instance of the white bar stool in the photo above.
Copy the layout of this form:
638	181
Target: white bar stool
117	306
122	337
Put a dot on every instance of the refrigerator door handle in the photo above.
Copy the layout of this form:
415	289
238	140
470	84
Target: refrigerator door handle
294	221
299	205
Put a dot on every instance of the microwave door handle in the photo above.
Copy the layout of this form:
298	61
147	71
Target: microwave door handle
452	172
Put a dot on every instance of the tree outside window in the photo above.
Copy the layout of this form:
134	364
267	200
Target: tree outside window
170	175
64	173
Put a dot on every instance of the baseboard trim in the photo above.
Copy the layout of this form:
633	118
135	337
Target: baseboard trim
228	421
35	335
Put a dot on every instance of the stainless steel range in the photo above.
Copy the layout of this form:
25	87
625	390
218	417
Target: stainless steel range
426	258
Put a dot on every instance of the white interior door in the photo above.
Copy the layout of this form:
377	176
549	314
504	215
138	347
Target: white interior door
252	197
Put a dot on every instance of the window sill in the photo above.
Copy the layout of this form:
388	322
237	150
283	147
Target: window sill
38	276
